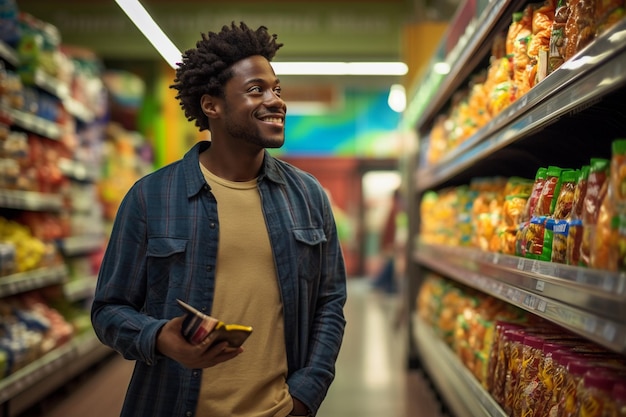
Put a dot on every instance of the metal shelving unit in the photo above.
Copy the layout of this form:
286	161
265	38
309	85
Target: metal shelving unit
33	382
570	116
589	76
30	200
32	280
463	393
27	385
591	303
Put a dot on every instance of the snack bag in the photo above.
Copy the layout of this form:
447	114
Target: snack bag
537	247
618	174
557	37
562	213
511	213
585	11
543	18
574	221
598	174
603	254
607	13
520	58
524	221
618	191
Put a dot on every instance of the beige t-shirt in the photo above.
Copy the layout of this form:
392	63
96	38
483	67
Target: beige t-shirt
246	292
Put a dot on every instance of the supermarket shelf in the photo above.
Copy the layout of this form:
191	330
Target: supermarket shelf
62	91
472	47
31	280
80	289
80	245
8	54
30	384
462	392
589	302
30	200
51	85
77	170
594	72
33	123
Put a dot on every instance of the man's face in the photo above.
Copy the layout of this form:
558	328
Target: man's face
253	110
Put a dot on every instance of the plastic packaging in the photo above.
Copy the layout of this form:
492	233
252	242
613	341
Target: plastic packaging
514	370
618	405
528	395
595	392
575	225
598	175
498	361
562	213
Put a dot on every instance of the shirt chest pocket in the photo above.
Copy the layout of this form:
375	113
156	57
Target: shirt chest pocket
309	246
166	263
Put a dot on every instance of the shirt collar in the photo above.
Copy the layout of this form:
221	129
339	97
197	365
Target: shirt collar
195	180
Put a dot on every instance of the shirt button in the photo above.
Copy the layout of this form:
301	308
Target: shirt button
195	374
212	225
189	414
209	268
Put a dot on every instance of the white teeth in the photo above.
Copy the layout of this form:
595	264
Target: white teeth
273	119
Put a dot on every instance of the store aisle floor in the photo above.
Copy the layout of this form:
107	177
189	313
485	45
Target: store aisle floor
372	379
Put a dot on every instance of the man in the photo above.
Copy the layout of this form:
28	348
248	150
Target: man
236	234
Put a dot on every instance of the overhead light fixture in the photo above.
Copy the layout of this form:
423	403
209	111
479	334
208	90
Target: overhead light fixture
153	33
172	55
340	68
397	98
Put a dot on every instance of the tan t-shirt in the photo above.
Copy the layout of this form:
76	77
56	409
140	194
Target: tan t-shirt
246	292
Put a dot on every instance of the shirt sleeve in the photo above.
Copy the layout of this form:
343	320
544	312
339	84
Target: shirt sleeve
121	289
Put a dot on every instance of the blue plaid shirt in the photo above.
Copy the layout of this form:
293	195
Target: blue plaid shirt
163	246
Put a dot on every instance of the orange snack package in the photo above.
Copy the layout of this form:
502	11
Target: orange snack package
575	223
543	18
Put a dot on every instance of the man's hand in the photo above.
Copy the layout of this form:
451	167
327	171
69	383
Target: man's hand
172	344
299	409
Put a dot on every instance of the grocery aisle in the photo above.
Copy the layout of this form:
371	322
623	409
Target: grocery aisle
371	377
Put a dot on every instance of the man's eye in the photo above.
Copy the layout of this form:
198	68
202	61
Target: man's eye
255	89
277	91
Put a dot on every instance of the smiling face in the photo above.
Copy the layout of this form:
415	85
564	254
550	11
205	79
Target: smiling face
251	109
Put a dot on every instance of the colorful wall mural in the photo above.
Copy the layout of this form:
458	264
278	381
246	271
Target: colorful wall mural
361	125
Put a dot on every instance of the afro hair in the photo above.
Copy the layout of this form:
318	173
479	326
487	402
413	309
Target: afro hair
206	68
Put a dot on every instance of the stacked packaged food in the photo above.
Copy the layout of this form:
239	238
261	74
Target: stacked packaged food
573	216
539	39
530	366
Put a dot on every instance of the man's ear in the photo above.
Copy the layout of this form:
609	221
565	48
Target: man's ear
209	106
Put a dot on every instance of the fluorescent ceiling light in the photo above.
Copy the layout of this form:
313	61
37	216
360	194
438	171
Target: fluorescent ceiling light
144	22
172	55
340	68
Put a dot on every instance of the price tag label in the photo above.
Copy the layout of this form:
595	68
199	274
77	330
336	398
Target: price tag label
609	332
536	267
496	258
590	324
541	306
608	283
540	285
530	301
